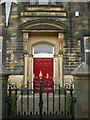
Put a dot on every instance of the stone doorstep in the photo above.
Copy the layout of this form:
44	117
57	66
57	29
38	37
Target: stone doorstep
50	103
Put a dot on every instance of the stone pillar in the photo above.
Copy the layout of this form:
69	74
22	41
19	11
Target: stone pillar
0	96
25	37
4	96
30	70
25	68
56	64
81	79
61	38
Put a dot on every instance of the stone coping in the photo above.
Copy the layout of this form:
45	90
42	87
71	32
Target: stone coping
82	70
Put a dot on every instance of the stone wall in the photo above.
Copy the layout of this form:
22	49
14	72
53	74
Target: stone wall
73	43
13	41
74	48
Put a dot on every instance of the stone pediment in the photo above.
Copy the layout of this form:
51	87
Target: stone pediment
43	27
43	24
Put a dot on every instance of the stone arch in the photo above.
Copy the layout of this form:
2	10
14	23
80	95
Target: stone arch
43	24
45	42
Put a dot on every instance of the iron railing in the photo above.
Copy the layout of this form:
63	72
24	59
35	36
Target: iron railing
27	103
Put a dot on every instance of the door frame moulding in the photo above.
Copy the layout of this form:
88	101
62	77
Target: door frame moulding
55	55
60	36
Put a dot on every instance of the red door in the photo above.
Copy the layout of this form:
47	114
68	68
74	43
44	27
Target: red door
45	65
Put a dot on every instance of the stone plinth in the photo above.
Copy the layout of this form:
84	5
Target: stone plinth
81	78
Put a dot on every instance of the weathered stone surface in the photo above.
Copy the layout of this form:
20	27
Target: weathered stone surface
73	42
81	90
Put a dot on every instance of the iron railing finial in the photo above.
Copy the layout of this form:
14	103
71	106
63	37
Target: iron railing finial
40	74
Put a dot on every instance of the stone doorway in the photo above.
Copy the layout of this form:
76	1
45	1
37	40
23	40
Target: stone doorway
38	38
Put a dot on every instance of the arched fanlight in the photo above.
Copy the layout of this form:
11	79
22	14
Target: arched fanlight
43	49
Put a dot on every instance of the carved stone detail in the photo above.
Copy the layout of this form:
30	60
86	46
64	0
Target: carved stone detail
25	35
30	55
60	36
25	42
1	38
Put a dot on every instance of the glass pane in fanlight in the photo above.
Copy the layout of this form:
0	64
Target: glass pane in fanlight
43	49
42	2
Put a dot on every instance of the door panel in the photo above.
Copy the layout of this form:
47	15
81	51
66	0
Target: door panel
45	65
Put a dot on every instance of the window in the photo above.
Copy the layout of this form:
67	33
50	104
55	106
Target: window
43	50
33	2
42	2
77	13
88	45
87	49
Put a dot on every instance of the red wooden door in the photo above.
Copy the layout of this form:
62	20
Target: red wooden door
45	65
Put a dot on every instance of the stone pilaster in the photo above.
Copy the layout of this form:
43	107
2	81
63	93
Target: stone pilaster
25	37
60	56
30	70
56	73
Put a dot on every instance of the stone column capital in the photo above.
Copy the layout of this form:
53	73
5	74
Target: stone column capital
30	55
60	52
25	41
55	55
25	52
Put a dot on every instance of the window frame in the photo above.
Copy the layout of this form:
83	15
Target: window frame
85	49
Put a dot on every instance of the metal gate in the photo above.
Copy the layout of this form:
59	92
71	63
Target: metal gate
24	103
